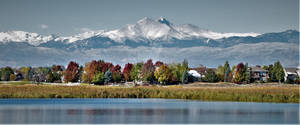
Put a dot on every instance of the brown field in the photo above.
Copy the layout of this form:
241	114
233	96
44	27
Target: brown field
266	92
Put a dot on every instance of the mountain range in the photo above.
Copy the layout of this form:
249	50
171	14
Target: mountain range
158	39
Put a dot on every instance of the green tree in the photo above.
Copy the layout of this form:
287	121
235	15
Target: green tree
98	78
6	72
227	71
211	76
185	77
12	77
163	74
135	72
221	72
278	72
184	71
108	76
117	77
176	75
246	73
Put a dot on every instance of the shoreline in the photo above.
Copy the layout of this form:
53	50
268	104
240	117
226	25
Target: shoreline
278	93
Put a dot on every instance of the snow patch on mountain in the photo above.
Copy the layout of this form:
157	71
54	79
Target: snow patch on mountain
81	36
21	36
161	28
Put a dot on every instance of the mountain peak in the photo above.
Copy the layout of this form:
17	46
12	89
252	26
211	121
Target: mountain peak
163	20
145	19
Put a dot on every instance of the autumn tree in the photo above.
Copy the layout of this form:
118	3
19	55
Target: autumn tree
158	63
72	72
91	69
163	74
148	71
126	71
116	72
238	77
107	66
242	74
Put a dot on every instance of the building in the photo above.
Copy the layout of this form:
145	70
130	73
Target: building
291	74
194	73
258	74
201	71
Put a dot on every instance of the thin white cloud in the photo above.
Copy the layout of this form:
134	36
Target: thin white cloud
84	29
44	26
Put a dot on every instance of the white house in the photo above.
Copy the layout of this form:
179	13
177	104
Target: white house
194	73
290	73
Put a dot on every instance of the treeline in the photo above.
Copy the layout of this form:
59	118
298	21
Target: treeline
101	72
241	74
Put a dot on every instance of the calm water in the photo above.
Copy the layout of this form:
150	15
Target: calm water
143	111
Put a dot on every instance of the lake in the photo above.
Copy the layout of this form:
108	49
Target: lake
144	111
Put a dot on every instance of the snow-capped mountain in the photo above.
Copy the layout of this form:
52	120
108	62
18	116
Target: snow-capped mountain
144	30
22	36
158	39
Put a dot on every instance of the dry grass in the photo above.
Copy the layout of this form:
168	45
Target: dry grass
246	93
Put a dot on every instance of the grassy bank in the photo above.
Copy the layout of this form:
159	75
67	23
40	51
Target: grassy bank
245	94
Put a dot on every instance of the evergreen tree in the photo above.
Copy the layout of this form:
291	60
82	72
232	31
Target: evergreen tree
246	72
278	72
108	76
211	76
185	77
226	71
184	71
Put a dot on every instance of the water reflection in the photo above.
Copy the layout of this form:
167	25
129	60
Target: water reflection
144	111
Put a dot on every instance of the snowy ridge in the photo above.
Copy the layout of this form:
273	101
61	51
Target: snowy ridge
21	36
146	29
82	36
161	28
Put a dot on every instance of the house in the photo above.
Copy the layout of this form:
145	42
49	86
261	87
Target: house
19	76
258	74
291	74
194	73
201	71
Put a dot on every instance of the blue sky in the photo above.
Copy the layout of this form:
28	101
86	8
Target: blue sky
69	17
